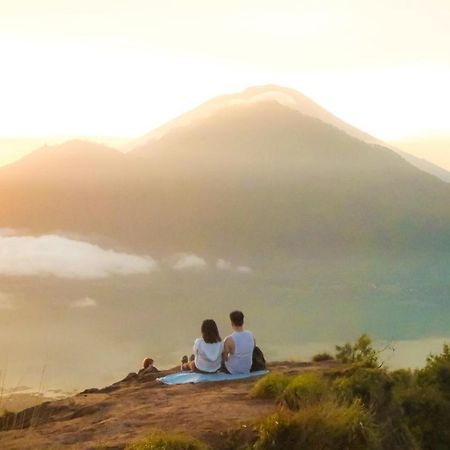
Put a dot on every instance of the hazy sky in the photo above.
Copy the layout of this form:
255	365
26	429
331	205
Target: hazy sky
121	68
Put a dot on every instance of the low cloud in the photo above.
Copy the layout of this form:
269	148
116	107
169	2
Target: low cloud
18	389
187	261
85	302
66	258
244	269
222	264
7	232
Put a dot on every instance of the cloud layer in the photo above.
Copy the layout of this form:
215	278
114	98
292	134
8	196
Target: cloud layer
222	264
187	261
72	258
66	258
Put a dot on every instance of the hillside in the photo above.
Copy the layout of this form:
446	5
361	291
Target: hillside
288	98
209	188
426	166
114	416
352	402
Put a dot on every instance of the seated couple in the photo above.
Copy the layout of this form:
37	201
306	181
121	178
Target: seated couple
211	354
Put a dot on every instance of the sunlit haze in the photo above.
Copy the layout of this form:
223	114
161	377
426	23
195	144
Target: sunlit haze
163	163
123	68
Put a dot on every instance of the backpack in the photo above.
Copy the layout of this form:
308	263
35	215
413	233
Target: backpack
258	360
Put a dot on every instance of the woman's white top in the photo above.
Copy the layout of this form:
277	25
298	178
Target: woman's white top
208	357
241	360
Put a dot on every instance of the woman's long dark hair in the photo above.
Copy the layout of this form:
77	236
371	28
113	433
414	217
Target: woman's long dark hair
210	332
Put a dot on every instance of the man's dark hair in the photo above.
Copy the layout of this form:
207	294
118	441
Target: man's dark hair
210	332
237	318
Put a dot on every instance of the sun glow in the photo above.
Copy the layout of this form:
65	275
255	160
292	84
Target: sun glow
97	68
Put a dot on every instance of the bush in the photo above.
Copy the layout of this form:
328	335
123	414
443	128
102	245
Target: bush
402	378
270	386
322	357
324	426
425	398
360	352
167	441
303	389
427	414
437	371
372	386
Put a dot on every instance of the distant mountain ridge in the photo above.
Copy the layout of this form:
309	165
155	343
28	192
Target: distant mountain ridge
425	165
255	179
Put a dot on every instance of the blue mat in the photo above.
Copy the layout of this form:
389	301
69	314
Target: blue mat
193	377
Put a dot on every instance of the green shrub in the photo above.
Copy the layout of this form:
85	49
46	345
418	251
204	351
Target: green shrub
360	352
427	414
303	389
167	441
403	378
437	371
322	357
425	399
372	386
320	426
270	386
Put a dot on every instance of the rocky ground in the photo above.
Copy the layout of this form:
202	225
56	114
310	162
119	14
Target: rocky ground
116	415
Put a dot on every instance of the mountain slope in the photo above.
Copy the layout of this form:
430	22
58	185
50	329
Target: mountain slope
251	179
115	416
342	237
286	97
51	162
425	165
251	96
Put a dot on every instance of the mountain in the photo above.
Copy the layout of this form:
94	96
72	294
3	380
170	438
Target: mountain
291	99
339	237
253	179
426	166
435	148
254	95
50	162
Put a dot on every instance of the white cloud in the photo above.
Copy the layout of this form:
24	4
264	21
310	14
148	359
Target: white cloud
221	264
187	261
6	301
244	269
86	302
66	258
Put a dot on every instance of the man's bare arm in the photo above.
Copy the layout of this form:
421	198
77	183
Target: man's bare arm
228	347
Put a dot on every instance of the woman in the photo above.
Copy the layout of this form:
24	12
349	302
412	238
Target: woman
207	350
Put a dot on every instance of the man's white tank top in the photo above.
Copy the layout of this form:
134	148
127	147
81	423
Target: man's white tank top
241	360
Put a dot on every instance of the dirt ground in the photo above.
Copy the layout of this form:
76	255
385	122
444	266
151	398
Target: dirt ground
114	416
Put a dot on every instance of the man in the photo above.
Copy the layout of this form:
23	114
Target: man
238	347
